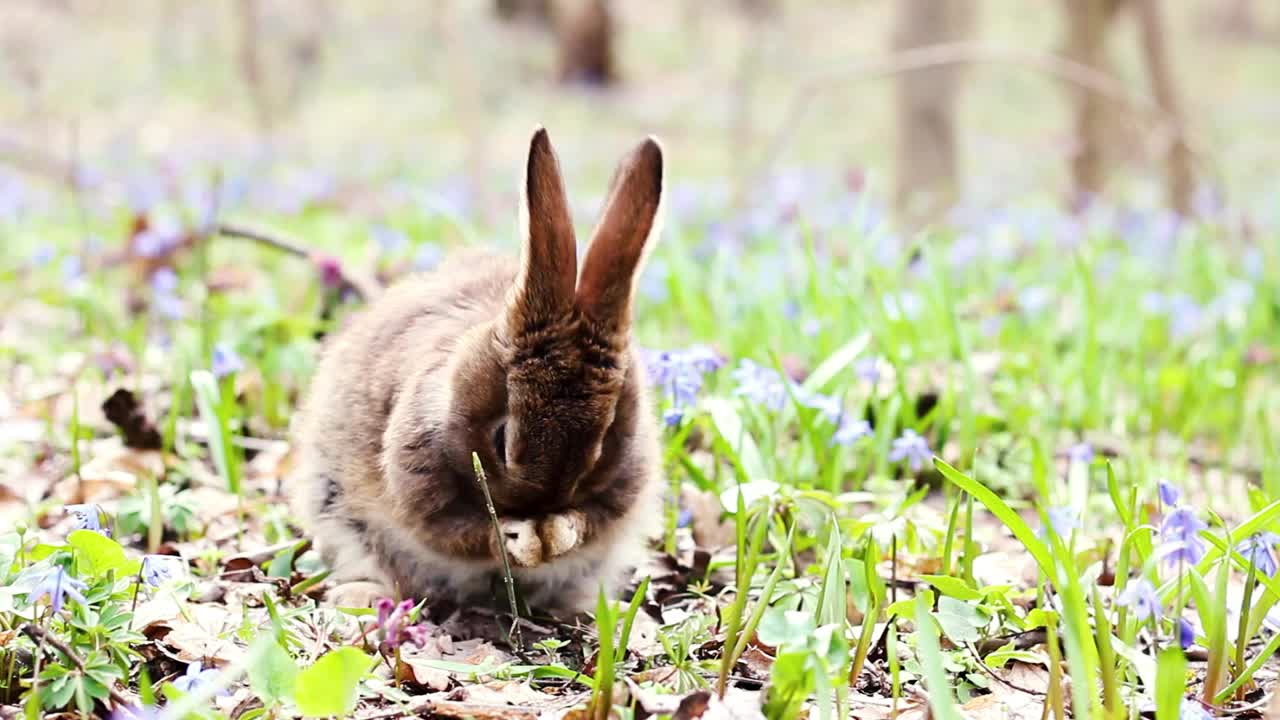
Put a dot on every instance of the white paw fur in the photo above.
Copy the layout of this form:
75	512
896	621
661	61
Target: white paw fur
524	547
561	533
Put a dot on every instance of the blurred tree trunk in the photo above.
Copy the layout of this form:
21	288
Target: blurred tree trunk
586	44
251	69
927	164
1180	178
537	11
1087	24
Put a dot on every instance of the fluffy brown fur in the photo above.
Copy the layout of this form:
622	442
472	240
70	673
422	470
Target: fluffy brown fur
530	365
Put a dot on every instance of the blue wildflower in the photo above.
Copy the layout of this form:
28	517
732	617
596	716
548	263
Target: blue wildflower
680	374
760	384
88	517
684	518
197	677
1080	453
72	268
1140	596
850	430
427	258
225	361
1186	633
389	240
158	569
139	712
169	306
164	280
1257	550
1169	494
1180	536
1062	520
42	256
57	586
154	242
868	369
911	447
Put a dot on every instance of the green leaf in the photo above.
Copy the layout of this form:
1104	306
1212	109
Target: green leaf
785	629
212	412
100	553
747	454
274	675
1006	514
941	699
836	362
953	586
1171	682
960	620
329	686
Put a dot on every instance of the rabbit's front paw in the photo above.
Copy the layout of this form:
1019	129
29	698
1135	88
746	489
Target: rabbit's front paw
561	533
524	547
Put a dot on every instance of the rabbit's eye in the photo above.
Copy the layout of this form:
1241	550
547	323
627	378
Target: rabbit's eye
500	443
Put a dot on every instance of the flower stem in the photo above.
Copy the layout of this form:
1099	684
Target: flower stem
1251	581
508	579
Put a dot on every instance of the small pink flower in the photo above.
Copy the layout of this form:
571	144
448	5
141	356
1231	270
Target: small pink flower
330	270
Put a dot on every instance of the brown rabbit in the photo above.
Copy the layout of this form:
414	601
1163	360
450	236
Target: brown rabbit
530	365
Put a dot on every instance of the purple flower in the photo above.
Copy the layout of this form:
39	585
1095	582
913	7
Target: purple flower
427	258
57	586
137	712
42	256
169	306
1169	494
1080	453
72	268
1180	536
680	374
850	431
164	280
1257	550
868	369
330	271
160	237
1186	633
88	517
197	677
911	447
760	384
1062	520
1140	596
389	240
158	569
394	626
684	518
225	361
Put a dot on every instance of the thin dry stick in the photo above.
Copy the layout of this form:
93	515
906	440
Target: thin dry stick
364	289
39	634
507	578
930	56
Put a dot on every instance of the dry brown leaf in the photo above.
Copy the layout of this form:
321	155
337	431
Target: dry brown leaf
112	470
207	634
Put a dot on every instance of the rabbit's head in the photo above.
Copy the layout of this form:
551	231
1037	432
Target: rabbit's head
551	394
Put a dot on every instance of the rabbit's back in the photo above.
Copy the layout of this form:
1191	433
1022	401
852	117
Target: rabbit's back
407	331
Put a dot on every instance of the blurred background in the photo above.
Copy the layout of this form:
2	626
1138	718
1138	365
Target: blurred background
922	105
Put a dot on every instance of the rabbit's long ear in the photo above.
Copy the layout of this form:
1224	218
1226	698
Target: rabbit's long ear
628	229
549	257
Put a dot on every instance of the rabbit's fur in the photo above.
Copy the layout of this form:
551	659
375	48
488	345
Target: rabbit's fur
427	373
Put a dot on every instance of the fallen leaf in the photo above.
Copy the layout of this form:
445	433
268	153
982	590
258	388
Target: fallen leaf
124	411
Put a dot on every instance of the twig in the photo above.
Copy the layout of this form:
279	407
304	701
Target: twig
982	665
942	54
39	634
507	578
364	289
